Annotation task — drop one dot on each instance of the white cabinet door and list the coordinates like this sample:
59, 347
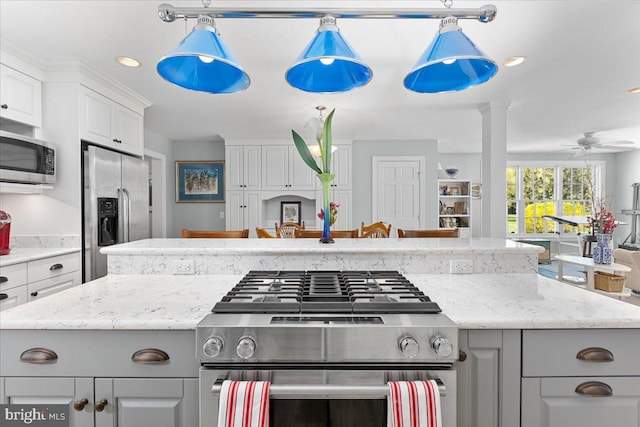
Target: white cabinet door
275, 167
96, 120
20, 97
301, 176
128, 130
107, 123
341, 165
252, 211
343, 220
234, 167
234, 210
251, 166
43, 288
13, 297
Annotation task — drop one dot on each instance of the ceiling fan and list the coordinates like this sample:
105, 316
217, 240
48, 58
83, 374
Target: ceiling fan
589, 142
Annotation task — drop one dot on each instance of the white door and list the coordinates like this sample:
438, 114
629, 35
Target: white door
396, 198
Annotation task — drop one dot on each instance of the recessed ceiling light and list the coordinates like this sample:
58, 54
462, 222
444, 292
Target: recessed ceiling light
513, 61
634, 90
128, 62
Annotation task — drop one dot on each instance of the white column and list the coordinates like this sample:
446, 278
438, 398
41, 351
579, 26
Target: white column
494, 166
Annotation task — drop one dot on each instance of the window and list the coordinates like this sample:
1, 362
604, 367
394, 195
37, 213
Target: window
537, 189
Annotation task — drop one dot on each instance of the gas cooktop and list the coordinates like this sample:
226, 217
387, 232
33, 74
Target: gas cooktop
324, 291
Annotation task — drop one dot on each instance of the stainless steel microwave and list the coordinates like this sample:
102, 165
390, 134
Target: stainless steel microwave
26, 160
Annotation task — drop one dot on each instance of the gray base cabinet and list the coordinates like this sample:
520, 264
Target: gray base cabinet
553, 402
581, 378
489, 378
108, 378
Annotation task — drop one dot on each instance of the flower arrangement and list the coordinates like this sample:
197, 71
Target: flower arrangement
602, 220
333, 213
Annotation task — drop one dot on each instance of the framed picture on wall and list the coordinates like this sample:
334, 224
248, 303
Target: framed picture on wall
199, 181
290, 212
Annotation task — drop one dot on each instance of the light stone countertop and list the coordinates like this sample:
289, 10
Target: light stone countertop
474, 301
187, 247
18, 255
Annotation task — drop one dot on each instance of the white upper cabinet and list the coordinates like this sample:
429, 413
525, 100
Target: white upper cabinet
243, 167
107, 123
284, 169
20, 97
341, 165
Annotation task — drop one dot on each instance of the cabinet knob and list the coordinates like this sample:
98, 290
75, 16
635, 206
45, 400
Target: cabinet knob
34, 293
99, 406
5, 106
79, 405
462, 356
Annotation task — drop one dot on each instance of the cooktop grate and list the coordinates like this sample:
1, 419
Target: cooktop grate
325, 291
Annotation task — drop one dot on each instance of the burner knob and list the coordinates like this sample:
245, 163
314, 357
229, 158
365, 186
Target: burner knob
213, 346
246, 347
441, 346
409, 347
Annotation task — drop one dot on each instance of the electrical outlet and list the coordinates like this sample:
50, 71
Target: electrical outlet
222, 214
460, 266
183, 266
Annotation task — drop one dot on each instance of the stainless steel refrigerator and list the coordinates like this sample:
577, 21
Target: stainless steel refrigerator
115, 204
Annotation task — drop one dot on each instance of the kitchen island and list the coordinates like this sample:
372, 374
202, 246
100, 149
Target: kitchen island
126, 342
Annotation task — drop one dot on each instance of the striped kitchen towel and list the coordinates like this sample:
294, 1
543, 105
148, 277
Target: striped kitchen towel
244, 404
414, 404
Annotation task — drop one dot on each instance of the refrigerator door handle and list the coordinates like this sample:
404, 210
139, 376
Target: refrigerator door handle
128, 211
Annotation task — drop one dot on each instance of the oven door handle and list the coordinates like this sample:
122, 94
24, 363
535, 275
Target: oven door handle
289, 391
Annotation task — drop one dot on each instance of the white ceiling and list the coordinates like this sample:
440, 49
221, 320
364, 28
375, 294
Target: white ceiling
583, 57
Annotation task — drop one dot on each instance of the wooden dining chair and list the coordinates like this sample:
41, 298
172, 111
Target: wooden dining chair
263, 234
336, 234
287, 230
375, 230
442, 232
218, 234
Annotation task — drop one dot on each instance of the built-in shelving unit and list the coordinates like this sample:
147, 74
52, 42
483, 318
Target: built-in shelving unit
454, 205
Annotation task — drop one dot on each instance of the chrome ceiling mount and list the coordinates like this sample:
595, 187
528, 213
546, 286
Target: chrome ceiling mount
169, 13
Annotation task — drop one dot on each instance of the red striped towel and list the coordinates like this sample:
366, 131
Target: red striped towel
414, 404
244, 404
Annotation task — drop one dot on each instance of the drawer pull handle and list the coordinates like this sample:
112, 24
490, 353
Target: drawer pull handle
5, 106
39, 355
55, 267
4, 279
595, 354
150, 356
462, 356
3, 296
34, 293
594, 389
99, 406
79, 405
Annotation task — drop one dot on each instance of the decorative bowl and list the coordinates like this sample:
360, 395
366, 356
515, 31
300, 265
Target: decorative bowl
452, 172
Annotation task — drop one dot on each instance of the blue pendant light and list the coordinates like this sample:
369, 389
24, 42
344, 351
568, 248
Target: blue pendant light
203, 62
328, 64
451, 62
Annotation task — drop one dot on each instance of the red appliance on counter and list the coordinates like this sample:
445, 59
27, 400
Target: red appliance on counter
5, 231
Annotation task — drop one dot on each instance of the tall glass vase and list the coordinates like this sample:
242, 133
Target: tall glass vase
602, 253
326, 179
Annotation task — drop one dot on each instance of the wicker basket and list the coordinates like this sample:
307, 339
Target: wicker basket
608, 282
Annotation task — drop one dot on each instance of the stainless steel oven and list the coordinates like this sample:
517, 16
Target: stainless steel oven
329, 343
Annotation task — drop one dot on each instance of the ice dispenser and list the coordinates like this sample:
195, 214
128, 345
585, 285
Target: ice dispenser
107, 221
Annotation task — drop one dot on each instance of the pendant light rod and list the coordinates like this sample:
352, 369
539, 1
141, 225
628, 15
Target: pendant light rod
169, 13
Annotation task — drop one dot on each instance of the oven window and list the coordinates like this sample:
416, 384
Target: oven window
328, 413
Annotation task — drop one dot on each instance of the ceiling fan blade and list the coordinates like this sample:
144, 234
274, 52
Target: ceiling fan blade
614, 147
601, 144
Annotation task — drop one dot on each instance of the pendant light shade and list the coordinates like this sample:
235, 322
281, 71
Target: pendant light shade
203, 62
328, 64
451, 62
